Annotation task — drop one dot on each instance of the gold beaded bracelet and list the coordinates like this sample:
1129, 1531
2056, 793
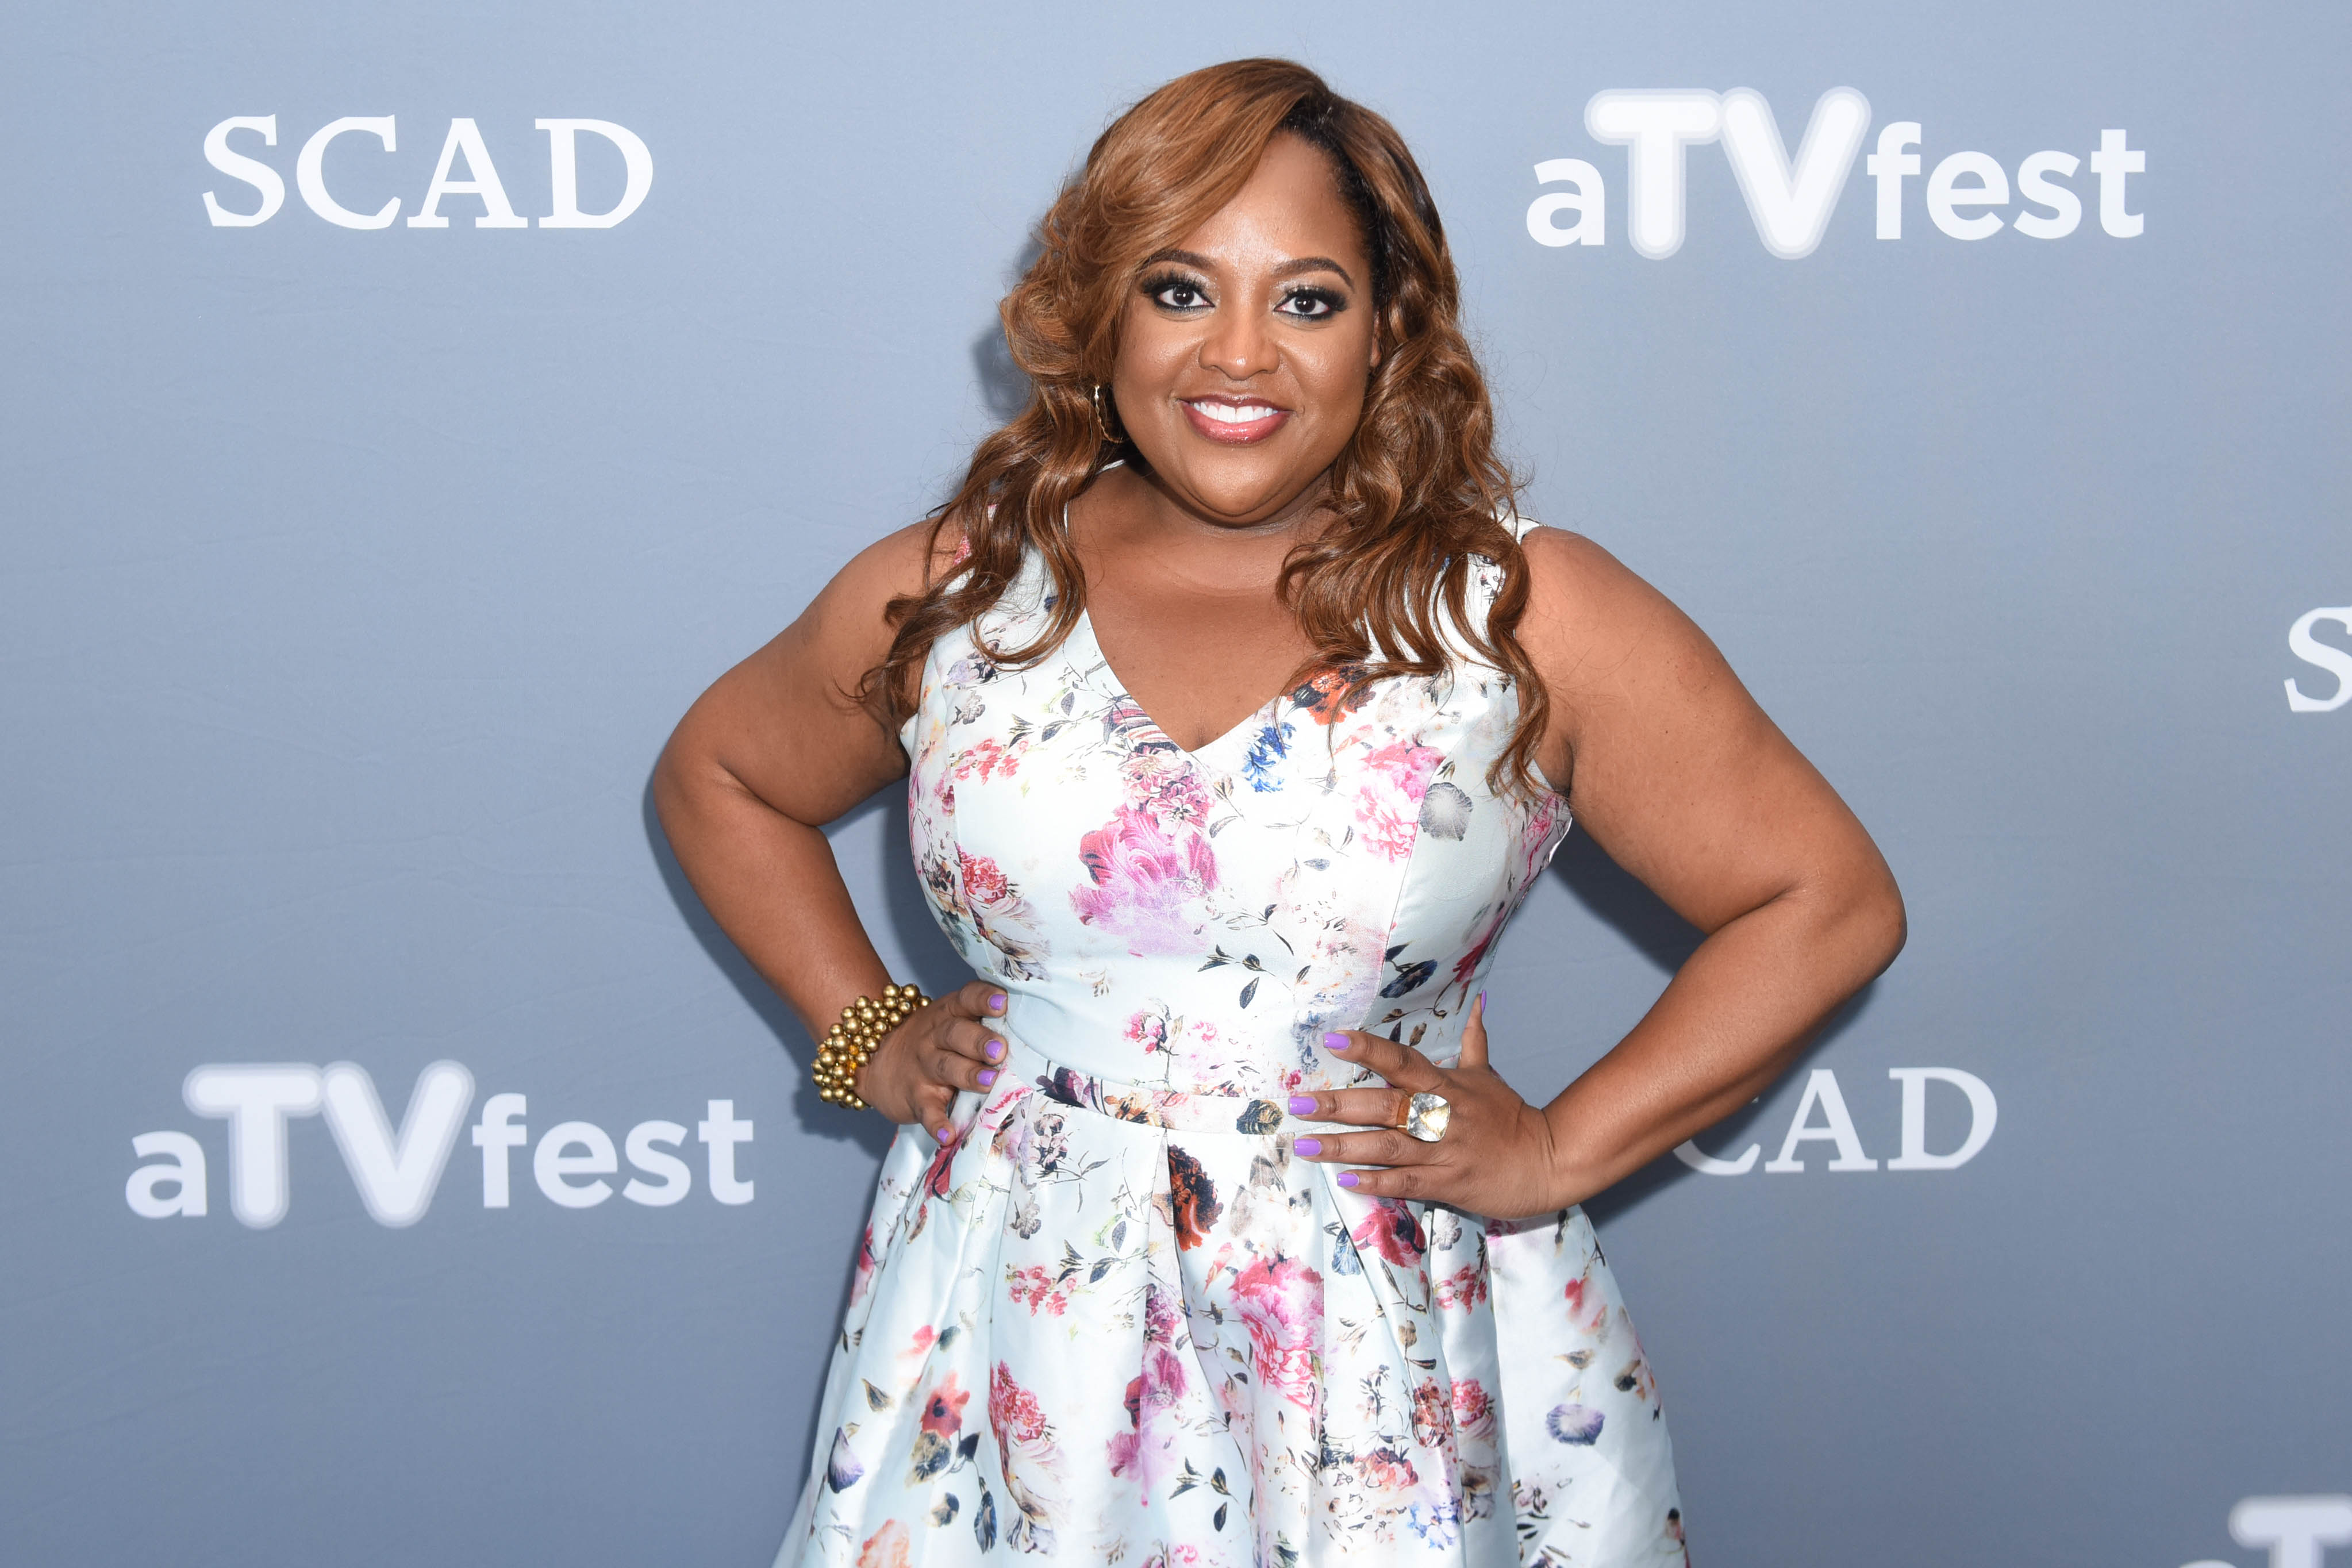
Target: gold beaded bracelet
850, 1044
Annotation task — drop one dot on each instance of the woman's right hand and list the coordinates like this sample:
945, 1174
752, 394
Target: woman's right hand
946, 1046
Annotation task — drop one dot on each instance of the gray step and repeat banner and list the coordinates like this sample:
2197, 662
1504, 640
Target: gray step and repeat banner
407, 411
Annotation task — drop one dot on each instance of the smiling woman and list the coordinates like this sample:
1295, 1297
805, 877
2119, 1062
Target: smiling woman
1239, 709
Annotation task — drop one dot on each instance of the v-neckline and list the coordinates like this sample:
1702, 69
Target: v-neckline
1247, 721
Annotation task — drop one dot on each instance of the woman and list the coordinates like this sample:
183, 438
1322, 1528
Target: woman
1209, 1235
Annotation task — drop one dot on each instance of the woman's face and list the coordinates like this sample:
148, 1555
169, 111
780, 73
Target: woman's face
1246, 349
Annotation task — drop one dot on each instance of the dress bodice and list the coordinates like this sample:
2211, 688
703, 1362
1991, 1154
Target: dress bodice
1198, 919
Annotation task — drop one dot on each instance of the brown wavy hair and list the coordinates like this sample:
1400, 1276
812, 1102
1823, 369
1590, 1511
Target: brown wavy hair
1415, 494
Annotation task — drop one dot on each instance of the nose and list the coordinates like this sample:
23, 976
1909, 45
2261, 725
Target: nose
1239, 344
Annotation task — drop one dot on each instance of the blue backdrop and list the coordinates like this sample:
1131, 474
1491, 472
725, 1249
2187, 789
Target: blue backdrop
353, 578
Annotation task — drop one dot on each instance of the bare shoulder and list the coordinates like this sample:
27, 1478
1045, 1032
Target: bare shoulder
852, 610
1592, 623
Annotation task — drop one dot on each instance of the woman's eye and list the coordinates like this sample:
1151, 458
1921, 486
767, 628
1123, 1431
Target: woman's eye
1179, 296
1311, 304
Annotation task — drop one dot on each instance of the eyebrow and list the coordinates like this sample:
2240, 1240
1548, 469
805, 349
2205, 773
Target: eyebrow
1287, 269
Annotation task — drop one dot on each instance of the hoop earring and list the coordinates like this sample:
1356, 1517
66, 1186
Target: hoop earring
1102, 421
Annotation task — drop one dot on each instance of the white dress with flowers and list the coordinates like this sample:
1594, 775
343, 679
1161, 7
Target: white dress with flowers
1114, 1319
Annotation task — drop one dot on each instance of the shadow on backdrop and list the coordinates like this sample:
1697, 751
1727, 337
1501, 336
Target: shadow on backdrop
1612, 895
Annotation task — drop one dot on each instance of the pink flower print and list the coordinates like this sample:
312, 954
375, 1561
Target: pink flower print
1147, 1448
983, 883
1165, 787
1464, 1289
1148, 1027
1388, 803
943, 1410
1473, 1408
1391, 1230
998, 913
1385, 1469
1035, 1288
1014, 1414
1141, 880
886, 1548
868, 1259
1280, 1301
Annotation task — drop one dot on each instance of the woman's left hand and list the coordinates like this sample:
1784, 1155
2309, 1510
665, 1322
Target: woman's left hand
1497, 1158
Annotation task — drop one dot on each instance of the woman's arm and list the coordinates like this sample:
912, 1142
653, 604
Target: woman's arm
778, 747
1676, 772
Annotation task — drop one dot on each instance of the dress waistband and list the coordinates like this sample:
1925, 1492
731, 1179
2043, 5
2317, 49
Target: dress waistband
1155, 1104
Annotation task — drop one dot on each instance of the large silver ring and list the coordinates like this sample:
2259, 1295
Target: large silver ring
1425, 1116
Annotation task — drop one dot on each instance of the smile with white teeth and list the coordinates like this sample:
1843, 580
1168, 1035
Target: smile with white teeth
1233, 414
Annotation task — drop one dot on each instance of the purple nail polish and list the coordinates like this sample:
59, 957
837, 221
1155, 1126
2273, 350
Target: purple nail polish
944, 1133
1301, 1104
987, 1076
1346, 1178
1335, 1041
996, 1002
996, 1050
1481, 1006
1309, 1147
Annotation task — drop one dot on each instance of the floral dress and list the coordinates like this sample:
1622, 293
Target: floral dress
1113, 1319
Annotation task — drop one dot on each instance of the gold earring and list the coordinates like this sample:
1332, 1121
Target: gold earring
1102, 421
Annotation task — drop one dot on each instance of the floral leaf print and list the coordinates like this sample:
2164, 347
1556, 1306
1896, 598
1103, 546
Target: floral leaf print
983, 1521
1410, 977
1576, 1424
944, 1510
843, 1471
1445, 811
1249, 993
1192, 1197
1272, 744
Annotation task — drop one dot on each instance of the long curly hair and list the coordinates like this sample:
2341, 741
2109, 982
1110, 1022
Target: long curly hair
1417, 492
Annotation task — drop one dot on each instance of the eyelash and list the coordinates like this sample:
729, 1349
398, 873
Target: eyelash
1331, 303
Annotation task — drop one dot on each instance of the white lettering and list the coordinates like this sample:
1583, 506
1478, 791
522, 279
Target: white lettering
676, 1179
1791, 209
1699, 1159
256, 1100
563, 172
722, 1132
1888, 165
1945, 196
2311, 650
396, 1180
1821, 1090
1587, 201
2035, 185
1983, 1113
1655, 127
497, 212
2297, 1530
494, 1135
252, 171
2111, 163
310, 175
549, 1164
187, 1170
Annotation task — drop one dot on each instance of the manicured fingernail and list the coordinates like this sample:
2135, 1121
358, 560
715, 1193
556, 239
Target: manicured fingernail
1346, 1178
1301, 1104
987, 1076
1309, 1147
1335, 1041
1481, 1006
996, 1002
996, 1050
944, 1133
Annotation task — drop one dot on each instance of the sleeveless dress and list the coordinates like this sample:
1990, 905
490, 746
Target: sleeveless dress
1113, 1320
